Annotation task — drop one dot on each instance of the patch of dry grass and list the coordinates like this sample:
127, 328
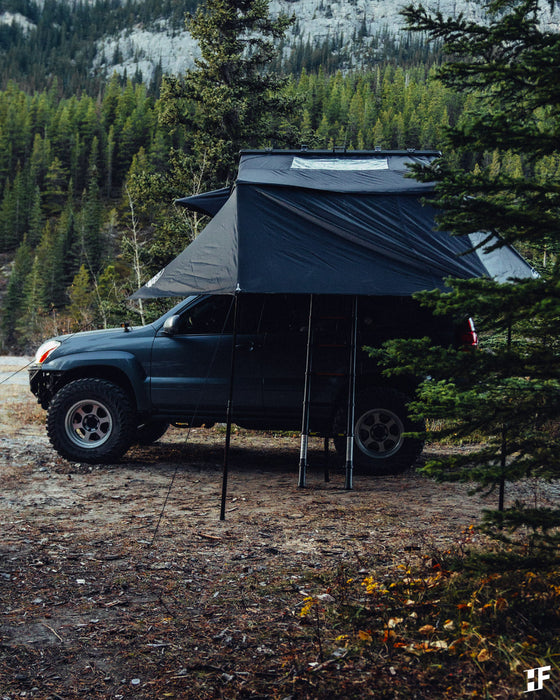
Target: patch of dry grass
17, 412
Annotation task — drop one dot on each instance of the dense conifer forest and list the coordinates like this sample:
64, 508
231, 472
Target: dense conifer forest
61, 41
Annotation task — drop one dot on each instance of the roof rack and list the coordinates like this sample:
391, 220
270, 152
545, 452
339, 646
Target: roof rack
304, 150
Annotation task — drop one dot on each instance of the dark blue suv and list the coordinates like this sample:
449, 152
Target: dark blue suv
106, 390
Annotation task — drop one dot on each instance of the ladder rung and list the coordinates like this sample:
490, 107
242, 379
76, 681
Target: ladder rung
331, 345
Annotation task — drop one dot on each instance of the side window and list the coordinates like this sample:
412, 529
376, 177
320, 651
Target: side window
211, 316
214, 315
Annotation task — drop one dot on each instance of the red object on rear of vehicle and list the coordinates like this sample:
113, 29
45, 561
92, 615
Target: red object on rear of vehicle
469, 337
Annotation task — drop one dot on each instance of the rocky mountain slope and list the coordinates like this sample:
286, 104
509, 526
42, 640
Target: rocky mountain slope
146, 46
356, 22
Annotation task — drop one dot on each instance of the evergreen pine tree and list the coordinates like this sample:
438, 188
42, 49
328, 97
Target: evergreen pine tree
93, 244
110, 300
12, 302
55, 192
35, 224
81, 298
230, 100
40, 159
48, 291
7, 207
30, 323
510, 391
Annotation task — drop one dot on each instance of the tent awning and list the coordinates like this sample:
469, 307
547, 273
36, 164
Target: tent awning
208, 203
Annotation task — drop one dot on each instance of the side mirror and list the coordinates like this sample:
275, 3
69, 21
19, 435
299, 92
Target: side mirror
171, 325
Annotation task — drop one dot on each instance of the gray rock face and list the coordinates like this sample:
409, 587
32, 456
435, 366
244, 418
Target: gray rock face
357, 22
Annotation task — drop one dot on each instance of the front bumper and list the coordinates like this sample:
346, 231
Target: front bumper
43, 384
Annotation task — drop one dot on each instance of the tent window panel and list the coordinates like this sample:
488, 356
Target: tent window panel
348, 164
285, 313
384, 317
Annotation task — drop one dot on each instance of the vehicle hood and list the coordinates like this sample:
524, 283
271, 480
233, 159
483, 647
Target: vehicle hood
93, 341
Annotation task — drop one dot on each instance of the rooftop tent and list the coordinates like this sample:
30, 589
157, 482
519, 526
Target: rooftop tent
324, 222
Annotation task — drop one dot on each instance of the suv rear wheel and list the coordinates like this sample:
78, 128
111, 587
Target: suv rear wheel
381, 419
92, 421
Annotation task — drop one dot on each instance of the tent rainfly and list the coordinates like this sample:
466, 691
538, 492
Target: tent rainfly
324, 222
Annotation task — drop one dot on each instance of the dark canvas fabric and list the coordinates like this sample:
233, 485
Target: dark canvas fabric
319, 228
370, 172
208, 202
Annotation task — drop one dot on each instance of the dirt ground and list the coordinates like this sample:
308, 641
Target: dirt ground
121, 581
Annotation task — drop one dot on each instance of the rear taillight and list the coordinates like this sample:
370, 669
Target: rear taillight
468, 336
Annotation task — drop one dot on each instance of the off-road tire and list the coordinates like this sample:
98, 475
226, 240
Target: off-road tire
150, 432
92, 421
380, 419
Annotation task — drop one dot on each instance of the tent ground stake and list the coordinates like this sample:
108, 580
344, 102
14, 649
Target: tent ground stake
229, 410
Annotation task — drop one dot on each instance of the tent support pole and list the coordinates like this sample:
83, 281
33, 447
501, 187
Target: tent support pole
229, 407
502, 484
302, 481
326, 451
348, 484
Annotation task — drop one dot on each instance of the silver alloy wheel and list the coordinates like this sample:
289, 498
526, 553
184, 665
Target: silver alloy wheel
88, 424
379, 433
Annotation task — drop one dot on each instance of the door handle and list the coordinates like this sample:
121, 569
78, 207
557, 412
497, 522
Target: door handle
249, 347
245, 346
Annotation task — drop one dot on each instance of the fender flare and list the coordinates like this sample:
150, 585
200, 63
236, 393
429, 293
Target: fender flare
123, 367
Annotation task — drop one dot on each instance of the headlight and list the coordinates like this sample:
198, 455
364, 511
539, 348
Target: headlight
45, 350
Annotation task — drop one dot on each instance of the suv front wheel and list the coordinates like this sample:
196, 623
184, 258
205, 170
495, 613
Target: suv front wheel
381, 419
92, 421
